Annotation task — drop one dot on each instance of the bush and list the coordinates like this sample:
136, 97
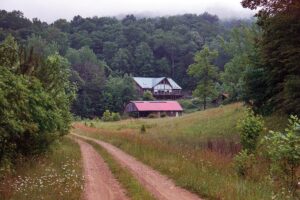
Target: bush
197, 102
115, 116
251, 127
189, 104
92, 125
243, 162
283, 149
147, 96
106, 117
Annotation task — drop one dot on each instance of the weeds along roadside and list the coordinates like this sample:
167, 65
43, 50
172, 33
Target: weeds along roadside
206, 178
54, 175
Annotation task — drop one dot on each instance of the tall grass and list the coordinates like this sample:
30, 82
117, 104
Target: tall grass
205, 173
56, 175
195, 150
213, 129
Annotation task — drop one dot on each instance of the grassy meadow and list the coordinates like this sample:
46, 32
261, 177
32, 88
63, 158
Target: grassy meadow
194, 130
195, 150
56, 175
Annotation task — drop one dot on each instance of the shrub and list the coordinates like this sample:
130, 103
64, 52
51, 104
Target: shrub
143, 129
250, 127
197, 102
190, 104
92, 125
106, 117
243, 162
110, 116
77, 118
283, 149
147, 96
187, 104
115, 116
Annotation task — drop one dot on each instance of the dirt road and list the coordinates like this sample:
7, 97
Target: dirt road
160, 186
99, 181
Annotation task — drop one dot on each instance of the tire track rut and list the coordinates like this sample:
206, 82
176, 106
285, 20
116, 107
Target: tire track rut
99, 181
159, 185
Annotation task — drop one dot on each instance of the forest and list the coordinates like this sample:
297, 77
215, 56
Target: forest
104, 50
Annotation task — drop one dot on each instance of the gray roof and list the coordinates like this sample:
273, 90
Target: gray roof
174, 84
148, 82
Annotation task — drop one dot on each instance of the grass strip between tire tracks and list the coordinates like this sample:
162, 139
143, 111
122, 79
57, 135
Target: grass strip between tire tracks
134, 189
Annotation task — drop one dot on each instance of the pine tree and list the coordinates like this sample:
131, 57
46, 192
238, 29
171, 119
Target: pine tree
206, 73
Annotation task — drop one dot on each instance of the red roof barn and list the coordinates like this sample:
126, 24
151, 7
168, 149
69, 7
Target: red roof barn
144, 108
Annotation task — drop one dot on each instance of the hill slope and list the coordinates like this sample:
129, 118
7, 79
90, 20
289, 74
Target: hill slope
195, 150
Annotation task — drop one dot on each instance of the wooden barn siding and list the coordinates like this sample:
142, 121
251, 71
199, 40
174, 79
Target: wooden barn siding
131, 108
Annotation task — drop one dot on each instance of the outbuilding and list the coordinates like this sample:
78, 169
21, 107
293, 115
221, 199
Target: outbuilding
159, 108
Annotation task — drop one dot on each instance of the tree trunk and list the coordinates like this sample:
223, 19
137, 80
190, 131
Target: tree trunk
173, 63
204, 103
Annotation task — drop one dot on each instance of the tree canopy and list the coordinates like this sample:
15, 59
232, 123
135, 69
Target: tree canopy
100, 47
206, 74
35, 100
278, 70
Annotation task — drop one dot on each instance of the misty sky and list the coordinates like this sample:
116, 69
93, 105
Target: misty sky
50, 10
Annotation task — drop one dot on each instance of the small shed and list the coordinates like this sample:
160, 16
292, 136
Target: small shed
145, 108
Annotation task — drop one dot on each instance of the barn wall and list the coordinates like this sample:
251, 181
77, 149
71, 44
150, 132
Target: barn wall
130, 108
159, 113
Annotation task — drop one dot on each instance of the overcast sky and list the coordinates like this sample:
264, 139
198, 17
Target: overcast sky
50, 10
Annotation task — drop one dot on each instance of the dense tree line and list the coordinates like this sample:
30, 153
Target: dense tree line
254, 63
273, 83
263, 67
142, 47
103, 47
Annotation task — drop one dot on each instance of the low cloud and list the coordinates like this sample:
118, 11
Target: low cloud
51, 10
